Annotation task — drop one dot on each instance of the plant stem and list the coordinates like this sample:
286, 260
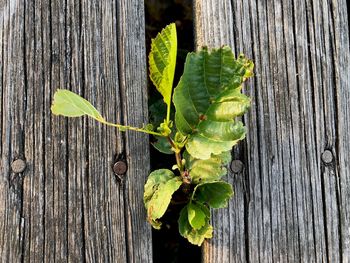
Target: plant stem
178, 162
177, 153
171, 142
183, 173
119, 126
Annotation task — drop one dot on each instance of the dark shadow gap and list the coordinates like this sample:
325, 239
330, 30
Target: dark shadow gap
168, 245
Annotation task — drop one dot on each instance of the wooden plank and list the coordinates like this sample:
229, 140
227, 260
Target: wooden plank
68, 205
296, 204
12, 129
342, 96
133, 78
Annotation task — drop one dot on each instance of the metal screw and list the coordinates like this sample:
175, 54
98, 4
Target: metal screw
18, 166
327, 157
237, 166
120, 168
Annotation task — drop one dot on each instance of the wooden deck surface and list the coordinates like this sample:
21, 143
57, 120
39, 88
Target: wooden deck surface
61, 202
292, 201
67, 205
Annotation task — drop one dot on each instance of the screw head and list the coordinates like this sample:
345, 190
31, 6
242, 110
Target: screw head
327, 157
18, 166
237, 166
120, 168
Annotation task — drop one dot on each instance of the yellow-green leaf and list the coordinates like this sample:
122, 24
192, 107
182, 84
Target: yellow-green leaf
197, 215
194, 236
162, 62
159, 188
69, 104
209, 170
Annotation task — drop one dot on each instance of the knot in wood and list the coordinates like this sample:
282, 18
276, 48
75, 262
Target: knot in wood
120, 168
237, 166
18, 166
327, 157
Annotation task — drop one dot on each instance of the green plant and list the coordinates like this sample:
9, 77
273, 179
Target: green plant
201, 133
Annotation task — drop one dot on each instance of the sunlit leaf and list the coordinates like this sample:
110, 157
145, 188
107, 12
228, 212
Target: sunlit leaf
208, 98
162, 61
69, 104
202, 145
159, 188
197, 215
194, 236
208, 170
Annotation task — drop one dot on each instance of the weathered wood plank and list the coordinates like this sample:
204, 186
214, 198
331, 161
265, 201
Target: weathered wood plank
342, 96
103, 210
297, 200
68, 205
12, 129
134, 94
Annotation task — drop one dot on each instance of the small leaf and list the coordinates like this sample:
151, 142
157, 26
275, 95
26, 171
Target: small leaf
215, 194
196, 216
69, 104
148, 127
180, 140
159, 188
194, 236
165, 128
162, 61
208, 170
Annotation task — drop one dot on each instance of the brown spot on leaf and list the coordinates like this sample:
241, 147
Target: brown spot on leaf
202, 117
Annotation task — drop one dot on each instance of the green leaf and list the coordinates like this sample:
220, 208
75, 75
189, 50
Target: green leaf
203, 145
197, 215
148, 127
194, 236
180, 140
212, 169
69, 104
162, 144
159, 188
162, 62
208, 98
215, 194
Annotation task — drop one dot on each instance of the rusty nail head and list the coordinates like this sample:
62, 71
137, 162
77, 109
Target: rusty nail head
237, 166
18, 166
120, 168
327, 157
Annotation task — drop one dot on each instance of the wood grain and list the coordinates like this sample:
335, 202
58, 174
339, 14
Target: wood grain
295, 207
68, 206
